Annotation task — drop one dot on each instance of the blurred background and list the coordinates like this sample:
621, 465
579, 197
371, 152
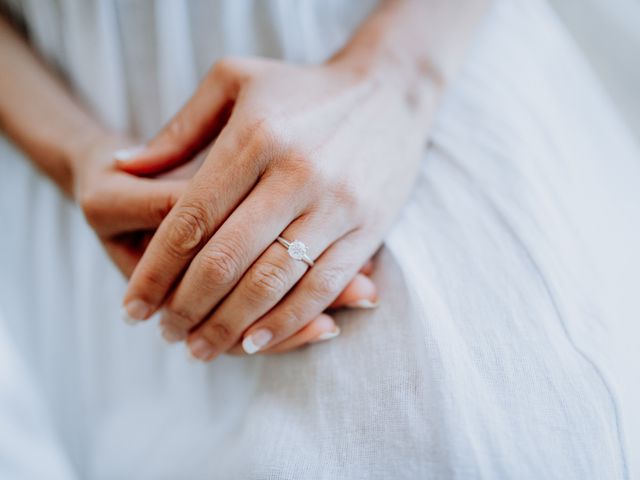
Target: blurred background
609, 33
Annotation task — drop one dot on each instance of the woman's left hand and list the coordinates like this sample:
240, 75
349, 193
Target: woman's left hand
324, 154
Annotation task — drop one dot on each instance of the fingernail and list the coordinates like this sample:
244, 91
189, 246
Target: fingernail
190, 357
126, 154
136, 310
327, 335
258, 339
201, 349
126, 318
172, 335
363, 303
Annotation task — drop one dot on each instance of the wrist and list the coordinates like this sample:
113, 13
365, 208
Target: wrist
417, 89
373, 57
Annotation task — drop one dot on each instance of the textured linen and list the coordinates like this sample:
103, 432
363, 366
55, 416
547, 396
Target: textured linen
505, 345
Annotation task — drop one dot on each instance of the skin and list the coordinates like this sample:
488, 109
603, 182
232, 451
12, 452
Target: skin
326, 154
73, 149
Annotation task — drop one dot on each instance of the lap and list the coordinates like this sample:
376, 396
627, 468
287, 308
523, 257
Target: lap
497, 346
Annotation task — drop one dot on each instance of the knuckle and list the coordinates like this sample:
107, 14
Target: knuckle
92, 206
299, 170
178, 318
287, 323
263, 135
158, 210
236, 69
268, 281
151, 283
169, 202
220, 265
346, 193
226, 67
218, 333
306, 170
188, 231
261, 139
347, 197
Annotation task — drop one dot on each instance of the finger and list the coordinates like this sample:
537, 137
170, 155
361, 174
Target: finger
126, 249
123, 257
360, 293
367, 268
261, 288
216, 269
312, 295
215, 191
360, 288
130, 204
320, 329
194, 127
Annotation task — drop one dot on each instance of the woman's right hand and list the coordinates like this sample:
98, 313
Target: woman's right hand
124, 210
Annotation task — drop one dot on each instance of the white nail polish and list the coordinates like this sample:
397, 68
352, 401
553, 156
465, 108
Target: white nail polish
126, 318
190, 357
137, 310
171, 335
364, 303
127, 154
327, 336
254, 342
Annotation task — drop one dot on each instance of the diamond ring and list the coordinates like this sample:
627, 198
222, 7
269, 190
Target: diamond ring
297, 250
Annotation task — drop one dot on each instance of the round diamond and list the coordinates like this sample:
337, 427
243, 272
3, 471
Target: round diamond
297, 250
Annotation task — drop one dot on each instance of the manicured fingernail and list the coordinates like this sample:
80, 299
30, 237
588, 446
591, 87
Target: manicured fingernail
136, 310
327, 336
127, 154
363, 303
201, 349
190, 357
171, 334
258, 339
126, 318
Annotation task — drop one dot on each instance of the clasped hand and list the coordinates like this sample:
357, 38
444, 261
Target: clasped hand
325, 154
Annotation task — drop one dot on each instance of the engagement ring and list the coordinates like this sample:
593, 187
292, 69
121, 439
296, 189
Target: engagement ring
297, 250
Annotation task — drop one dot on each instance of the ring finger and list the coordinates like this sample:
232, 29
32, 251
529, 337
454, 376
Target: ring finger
262, 287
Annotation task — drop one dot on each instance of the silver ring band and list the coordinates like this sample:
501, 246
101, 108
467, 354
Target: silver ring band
297, 250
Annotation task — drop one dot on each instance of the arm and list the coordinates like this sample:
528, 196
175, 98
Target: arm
39, 114
60, 137
419, 44
325, 154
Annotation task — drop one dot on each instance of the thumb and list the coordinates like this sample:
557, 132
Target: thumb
193, 128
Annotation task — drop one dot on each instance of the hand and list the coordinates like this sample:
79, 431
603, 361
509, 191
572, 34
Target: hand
124, 210
323, 154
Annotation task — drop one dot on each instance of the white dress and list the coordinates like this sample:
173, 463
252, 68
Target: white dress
505, 345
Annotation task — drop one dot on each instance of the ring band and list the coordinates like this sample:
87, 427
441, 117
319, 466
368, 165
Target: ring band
297, 250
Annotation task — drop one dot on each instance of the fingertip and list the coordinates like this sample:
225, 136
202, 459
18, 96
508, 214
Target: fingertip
367, 268
147, 160
360, 290
325, 328
327, 335
323, 323
137, 310
321, 328
129, 155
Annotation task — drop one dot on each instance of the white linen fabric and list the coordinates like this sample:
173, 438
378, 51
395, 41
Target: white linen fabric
505, 344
